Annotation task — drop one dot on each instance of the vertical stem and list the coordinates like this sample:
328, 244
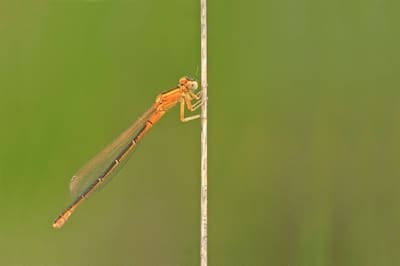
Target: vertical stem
203, 222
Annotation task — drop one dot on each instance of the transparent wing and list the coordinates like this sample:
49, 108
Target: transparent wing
100, 164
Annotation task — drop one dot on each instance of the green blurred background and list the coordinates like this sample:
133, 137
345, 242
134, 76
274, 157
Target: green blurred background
304, 132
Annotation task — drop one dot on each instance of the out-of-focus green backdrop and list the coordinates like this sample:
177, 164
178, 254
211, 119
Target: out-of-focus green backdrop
304, 132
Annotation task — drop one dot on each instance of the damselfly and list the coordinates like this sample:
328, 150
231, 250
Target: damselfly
98, 170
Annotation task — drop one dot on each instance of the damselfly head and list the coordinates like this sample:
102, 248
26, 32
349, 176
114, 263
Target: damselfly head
189, 83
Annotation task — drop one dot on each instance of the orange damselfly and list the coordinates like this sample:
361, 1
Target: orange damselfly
98, 170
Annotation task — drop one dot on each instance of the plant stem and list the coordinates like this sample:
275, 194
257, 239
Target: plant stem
203, 222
